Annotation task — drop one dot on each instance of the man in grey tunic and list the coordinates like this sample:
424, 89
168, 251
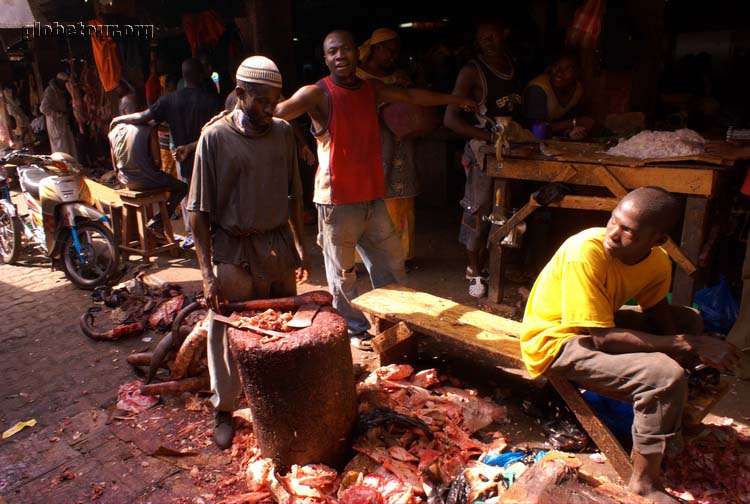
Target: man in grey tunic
244, 195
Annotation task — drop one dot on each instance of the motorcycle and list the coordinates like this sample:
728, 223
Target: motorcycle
61, 221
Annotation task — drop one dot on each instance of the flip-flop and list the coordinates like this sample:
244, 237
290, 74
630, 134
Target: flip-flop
361, 341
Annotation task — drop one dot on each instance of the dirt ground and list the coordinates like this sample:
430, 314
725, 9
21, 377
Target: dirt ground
82, 451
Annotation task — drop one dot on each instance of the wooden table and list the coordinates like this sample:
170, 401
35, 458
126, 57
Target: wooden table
695, 177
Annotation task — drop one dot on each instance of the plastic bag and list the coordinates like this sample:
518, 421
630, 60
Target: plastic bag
718, 307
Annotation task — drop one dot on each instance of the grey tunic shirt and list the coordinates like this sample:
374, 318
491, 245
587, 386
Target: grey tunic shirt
245, 183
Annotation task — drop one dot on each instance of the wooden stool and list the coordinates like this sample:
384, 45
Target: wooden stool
137, 208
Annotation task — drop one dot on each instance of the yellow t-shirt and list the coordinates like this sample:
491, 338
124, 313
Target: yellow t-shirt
582, 286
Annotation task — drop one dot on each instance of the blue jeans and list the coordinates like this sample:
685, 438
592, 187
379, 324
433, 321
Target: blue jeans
368, 228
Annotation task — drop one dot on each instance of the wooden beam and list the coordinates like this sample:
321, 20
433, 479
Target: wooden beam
693, 233
683, 180
587, 203
679, 257
599, 432
611, 182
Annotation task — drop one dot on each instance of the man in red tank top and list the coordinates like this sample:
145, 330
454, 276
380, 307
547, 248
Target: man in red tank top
349, 183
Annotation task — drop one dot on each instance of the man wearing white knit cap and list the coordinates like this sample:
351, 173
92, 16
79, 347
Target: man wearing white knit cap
244, 195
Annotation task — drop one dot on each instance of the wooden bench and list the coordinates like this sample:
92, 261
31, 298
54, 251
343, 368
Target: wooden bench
482, 336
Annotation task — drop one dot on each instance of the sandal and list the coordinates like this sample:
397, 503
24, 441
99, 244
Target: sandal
361, 341
477, 286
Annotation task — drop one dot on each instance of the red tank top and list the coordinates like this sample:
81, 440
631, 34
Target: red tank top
351, 169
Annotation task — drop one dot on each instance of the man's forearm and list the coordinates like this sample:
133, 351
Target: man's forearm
135, 118
200, 223
617, 340
296, 222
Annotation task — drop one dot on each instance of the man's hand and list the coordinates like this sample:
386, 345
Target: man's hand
212, 292
467, 104
303, 273
117, 120
181, 153
714, 352
578, 133
307, 155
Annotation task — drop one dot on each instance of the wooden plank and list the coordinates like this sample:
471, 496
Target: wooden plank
683, 180
446, 321
599, 432
693, 233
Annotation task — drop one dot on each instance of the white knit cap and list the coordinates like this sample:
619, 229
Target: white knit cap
259, 70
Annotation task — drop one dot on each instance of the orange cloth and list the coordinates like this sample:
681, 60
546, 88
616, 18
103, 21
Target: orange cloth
153, 88
106, 57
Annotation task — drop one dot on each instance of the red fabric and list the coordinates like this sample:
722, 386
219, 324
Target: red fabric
355, 161
107, 59
202, 29
745, 189
587, 25
153, 89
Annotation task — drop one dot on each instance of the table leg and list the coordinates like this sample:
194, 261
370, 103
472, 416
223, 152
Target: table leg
501, 194
693, 234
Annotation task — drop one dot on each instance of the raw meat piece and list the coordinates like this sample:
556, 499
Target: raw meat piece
395, 372
129, 397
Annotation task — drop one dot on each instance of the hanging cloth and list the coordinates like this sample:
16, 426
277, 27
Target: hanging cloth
106, 57
584, 32
202, 29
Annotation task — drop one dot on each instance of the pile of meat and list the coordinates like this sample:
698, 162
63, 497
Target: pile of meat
269, 319
419, 439
715, 467
660, 144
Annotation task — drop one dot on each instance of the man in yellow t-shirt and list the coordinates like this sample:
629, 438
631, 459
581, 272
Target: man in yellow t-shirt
575, 326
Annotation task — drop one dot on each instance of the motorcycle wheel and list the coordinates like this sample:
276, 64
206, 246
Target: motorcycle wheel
10, 237
100, 253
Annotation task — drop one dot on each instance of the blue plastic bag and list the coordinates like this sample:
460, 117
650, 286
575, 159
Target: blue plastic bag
616, 415
718, 307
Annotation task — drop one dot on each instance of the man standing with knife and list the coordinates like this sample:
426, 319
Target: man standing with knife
245, 193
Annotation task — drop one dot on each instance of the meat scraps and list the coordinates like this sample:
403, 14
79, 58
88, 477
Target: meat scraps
660, 144
269, 319
397, 463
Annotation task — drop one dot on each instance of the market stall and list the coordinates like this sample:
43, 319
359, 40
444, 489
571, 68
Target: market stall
696, 177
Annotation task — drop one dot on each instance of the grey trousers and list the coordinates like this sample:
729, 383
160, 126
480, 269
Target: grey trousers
236, 285
653, 382
368, 228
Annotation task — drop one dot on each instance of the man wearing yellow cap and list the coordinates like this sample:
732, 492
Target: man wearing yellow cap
244, 194
377, 61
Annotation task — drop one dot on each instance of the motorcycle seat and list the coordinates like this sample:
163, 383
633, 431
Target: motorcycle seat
30, 177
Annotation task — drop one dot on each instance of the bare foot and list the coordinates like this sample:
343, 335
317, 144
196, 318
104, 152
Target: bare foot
654, 494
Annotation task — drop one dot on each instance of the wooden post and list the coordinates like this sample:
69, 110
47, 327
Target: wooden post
497, 269
693, 231
599, 432
271, 31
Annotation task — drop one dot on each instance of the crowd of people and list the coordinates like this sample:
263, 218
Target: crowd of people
239, 182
